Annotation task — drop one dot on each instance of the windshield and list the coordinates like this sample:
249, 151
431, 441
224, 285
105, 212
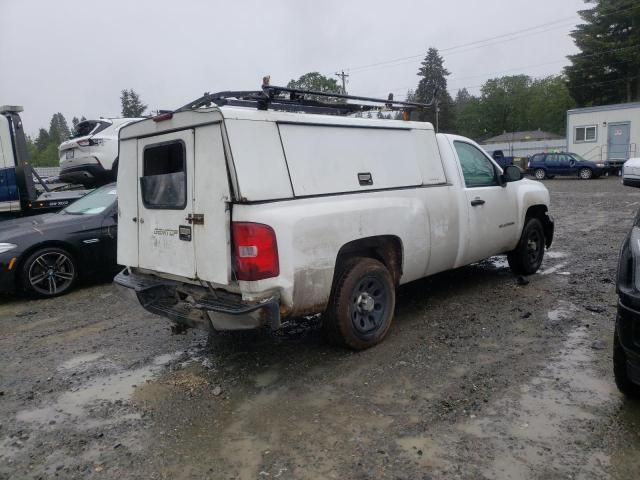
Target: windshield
578, 157
93, 203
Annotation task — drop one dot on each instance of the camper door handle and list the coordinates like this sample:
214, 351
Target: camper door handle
134, 219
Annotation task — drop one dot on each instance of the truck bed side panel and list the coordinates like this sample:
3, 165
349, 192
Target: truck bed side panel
313, 231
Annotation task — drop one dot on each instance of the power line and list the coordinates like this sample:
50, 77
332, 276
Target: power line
448, 49
484, 42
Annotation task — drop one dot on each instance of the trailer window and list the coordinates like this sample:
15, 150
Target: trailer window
164, 181
585, 134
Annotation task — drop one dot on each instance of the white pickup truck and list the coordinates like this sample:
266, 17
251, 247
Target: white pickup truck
233, 217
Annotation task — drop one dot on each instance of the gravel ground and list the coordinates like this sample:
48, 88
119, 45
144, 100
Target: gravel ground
480, 377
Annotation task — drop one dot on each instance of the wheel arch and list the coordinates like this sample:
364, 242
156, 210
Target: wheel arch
387, 249
541, 213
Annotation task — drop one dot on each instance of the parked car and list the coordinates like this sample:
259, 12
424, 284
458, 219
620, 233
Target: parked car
631, 172
548, 165
626, 339
311, 213
90, 156
44, 255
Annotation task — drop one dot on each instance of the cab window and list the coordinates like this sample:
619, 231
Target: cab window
477, 169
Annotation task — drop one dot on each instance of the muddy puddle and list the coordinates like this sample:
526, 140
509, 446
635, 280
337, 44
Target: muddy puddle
74, 406
533, 430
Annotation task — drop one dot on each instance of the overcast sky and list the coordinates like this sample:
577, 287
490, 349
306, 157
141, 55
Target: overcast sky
75, 57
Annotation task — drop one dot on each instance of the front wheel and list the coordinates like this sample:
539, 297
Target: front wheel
49, 272
362, 303
540, 174
585, 173
527, 257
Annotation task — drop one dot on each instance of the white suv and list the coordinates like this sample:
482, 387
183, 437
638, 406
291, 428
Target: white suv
90, 156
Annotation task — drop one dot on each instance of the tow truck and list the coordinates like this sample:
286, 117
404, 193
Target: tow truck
22, 190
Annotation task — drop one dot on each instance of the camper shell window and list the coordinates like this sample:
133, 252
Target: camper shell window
164, 181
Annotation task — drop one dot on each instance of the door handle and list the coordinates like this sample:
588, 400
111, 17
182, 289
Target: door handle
476, 202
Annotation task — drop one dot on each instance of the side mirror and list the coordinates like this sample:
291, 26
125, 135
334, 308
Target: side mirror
512, 174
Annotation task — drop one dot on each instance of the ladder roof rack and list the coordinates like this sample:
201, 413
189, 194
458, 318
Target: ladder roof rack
298, 100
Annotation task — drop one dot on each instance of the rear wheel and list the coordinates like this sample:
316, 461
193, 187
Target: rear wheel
527, 257
585, 173
539, 173
362, 303
624, 384
49, 272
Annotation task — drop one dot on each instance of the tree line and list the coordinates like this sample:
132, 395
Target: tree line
43, 148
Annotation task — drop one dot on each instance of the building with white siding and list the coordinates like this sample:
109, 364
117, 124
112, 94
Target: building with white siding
610, 133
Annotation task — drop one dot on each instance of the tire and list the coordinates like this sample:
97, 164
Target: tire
527, 257
361, 306
624, 384
48, 272
585, 173
539, 173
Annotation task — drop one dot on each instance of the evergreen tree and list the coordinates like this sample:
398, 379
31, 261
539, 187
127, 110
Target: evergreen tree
433, 75
58, 129
132, 106
75, 122
83, 119
607, 69
42, 140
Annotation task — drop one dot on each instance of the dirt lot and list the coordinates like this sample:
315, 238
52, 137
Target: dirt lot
479, 378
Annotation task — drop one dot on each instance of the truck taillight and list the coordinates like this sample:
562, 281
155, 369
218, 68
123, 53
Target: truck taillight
255, 251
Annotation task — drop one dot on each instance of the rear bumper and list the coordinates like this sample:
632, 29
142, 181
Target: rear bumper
84, 173
198, 307
628, 327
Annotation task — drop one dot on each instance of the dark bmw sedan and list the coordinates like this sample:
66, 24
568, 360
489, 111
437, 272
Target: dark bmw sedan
47, 254
626, 340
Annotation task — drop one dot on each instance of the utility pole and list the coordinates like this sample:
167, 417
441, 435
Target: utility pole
343, 76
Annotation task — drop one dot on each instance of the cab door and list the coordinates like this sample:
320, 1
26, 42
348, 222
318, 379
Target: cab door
492, 209
165, 203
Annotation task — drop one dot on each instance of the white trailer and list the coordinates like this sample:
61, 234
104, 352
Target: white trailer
607, 134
